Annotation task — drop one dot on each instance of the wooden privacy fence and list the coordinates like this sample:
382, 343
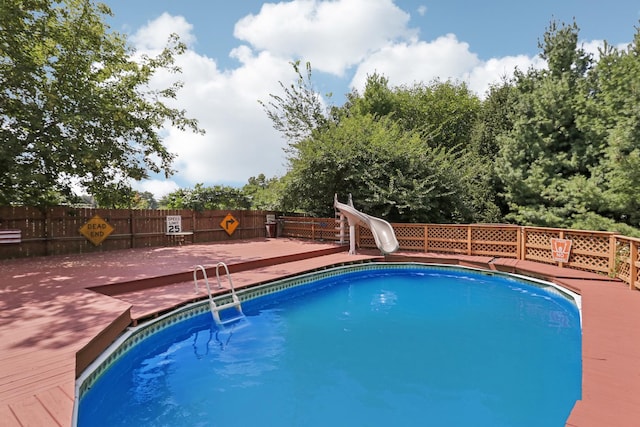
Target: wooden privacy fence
27, 231
595, 251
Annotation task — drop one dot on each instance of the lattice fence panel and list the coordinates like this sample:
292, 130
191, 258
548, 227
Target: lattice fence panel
636, 280
589, 251
538, 245
327, 229
366, 238
447, 239
495, 242
410, 237
447, 247
623, 260
444, 232
297, 227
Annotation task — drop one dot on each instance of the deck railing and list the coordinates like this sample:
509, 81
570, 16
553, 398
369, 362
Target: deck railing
595, 251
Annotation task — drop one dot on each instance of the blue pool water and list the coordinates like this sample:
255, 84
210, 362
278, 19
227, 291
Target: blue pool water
389, 347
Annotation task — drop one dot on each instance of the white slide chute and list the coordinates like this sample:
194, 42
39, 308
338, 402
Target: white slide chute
382, 231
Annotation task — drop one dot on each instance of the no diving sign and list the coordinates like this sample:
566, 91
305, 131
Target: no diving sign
560, 249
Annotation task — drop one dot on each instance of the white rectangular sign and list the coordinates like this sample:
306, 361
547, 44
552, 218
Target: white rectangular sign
174, 224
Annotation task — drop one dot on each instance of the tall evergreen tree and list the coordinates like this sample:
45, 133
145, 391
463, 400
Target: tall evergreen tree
545, 159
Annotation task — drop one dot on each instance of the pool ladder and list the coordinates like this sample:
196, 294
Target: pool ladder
215, 308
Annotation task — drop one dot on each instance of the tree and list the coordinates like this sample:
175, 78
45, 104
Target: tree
444, 113
614, 116
391, 173
571, 157
264, 194
546, 157
301, 111
76, 108
206, 198
401, 152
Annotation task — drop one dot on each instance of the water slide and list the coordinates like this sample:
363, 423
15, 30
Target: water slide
382, 231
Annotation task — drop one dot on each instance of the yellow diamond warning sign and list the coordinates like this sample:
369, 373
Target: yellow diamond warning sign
96, 230
229, 224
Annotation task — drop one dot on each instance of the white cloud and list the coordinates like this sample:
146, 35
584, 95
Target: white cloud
332, 35
445, 58
159, 188
482, 76
155, 34
349, 38
408, 63
422, 10
239, 140
594, 46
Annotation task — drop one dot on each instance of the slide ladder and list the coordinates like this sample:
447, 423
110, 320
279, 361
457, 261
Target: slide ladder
215, 308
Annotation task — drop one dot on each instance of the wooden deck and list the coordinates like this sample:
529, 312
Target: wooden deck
58, 313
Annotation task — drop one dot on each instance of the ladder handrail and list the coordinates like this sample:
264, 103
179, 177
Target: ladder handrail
204, 275
215, 309
222, 264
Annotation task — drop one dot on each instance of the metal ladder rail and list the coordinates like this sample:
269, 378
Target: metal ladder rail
235, 301
215, 309
212, 303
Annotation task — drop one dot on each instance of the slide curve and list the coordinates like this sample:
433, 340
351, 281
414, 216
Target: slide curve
382, 231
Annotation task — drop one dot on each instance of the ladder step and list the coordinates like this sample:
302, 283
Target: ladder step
227, 305
231, 320
216, 309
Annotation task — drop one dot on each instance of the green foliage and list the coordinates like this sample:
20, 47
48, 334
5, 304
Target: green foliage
391, 173
144, 200
404, 153
555, 147
264, 194
206, 198
545, 154
77, 111
300, 112
572, 154
443, 113
616, 116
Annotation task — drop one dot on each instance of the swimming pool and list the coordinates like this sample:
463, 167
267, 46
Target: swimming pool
374, 345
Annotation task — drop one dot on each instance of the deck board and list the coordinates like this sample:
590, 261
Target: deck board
49, 316
31, 413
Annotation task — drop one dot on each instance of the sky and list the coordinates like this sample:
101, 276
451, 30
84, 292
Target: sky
240, 51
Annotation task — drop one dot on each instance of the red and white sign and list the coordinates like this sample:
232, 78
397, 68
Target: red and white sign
560, 249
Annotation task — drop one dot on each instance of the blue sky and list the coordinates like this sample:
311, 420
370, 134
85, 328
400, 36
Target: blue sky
240, 50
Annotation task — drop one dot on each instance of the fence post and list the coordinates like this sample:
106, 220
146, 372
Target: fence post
47, 230
613, 249
426, 238
519, 243
469, 233
523, 244
132, 229
633, 270
193, 226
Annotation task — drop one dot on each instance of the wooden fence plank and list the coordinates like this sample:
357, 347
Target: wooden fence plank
55, 230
